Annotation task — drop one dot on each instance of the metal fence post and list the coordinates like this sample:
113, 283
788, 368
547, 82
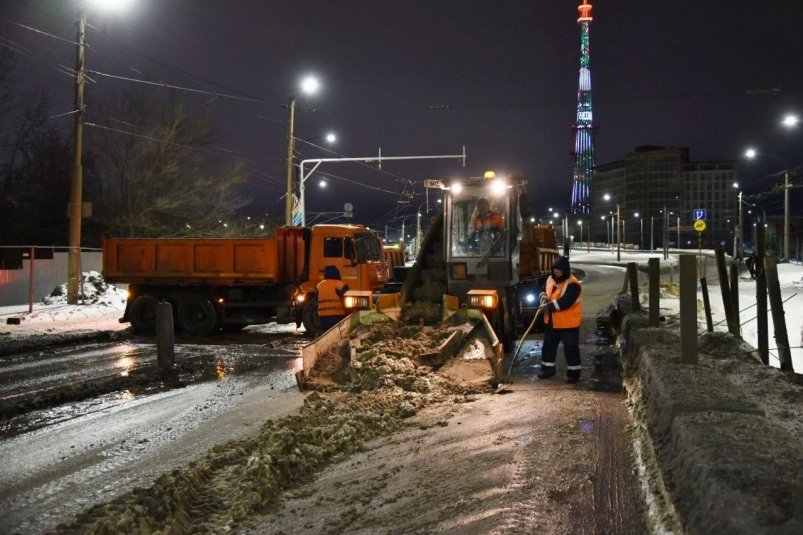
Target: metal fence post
778, 320
165, 340
722, 271
688, 309
709, 321
654, 269
632, 273
734, 286
762, 326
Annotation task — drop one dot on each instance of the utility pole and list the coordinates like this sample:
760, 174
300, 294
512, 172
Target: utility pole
666, 234
76, 185
288, 204
741, 230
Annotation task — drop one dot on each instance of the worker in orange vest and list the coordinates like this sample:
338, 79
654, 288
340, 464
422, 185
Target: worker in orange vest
562, 306
330, 293
486, 227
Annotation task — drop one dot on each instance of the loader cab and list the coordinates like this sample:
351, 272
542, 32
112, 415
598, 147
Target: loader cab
481, 230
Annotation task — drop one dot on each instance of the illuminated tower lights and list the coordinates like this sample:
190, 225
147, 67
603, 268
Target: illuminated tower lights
583, 127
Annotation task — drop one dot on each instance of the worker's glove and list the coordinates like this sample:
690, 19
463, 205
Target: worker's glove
544, 299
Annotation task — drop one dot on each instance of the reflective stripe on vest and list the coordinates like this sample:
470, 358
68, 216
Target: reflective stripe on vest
570, 318
329, 303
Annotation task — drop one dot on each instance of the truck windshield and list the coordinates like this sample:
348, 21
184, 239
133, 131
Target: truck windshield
477, 224
367, 248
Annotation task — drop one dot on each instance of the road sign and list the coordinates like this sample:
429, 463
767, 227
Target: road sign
435, 183
699, 225
699, 214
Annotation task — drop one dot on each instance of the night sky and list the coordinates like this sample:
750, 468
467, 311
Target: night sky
428, 77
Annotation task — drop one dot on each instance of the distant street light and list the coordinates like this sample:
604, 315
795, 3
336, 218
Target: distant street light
790, 120
331, 137
607, 197
309, 86
641, 223
753, 153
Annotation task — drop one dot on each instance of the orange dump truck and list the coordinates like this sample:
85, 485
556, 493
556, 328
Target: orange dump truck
230, 283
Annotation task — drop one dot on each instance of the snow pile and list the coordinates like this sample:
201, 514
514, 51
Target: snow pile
96, 291
367, 395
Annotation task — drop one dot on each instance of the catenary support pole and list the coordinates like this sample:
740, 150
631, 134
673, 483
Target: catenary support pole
688, 309
291, 137
654, 269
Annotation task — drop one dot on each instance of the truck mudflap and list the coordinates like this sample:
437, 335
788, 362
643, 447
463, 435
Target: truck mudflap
334, 337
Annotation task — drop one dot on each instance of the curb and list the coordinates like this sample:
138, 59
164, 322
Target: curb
725, 465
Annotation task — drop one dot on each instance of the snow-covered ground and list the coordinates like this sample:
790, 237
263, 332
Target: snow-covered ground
790, 277
102, 307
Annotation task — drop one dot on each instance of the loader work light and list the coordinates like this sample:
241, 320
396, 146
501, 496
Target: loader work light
484, 299
357, 300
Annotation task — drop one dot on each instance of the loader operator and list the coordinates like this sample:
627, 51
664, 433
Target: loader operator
562, 307
486, 226
330, 293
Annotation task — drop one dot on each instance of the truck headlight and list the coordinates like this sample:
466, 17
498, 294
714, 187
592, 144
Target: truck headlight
484, 299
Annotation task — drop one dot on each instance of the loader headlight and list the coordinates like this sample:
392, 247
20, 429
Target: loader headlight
300, 298
484, 299
357, 300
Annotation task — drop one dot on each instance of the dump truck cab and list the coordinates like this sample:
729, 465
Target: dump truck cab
357, 254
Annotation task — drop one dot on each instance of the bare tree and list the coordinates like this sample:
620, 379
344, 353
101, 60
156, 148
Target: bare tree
162, 179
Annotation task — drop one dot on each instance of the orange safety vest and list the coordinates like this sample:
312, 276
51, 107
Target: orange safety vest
492, 221
572, 317
329, 303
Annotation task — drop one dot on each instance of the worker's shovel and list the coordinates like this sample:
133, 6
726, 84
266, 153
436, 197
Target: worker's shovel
503, 387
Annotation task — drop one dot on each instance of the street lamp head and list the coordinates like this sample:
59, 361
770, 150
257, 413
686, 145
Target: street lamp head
607, 196
310, 85
322, 184
736, 185
635, 214
750, 153
119, 6
790, 120
331, 137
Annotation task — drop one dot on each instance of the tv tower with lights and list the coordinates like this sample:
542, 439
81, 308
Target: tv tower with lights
583, 128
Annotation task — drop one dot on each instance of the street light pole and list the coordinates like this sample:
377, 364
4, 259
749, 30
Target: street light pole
76, 185
291, 138
618, 236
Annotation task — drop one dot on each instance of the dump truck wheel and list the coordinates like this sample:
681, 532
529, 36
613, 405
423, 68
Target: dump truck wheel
143, 315
197, 315
309, 316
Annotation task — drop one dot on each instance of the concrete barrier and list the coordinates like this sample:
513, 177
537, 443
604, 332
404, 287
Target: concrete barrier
726, 466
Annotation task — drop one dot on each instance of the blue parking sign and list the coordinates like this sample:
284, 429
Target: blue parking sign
699, 214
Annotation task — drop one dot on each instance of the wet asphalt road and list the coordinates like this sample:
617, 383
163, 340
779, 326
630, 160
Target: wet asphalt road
85, 423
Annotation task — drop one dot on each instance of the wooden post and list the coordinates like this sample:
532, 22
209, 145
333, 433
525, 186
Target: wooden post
734, 286
762, 325
688, 309
722, 271
626, 282
709, 321
778, 320
654, 269
632, 273
165, 340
